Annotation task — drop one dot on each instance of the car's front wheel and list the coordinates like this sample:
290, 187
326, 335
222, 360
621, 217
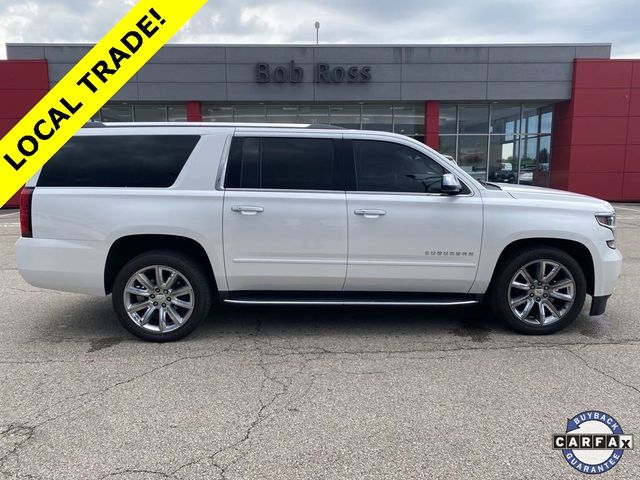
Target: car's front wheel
161, 296
539, 291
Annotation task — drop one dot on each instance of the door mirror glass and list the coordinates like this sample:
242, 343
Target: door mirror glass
450, 184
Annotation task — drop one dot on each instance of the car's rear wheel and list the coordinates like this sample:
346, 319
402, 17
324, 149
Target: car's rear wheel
539, 291
161, 296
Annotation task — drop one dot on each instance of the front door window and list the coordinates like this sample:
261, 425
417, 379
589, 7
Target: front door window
391, 167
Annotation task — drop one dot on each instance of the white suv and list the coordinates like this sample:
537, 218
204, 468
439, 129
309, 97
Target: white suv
167, 217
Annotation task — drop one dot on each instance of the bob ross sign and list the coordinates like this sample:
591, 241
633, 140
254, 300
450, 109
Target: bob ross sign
323, 73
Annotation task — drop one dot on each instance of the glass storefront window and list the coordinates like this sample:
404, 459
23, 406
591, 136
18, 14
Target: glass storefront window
546, 119
448, 119
474, 119
177, 113
448, 145
537, 118
117, 113
408, 120
503, 159
250, 113
541, 175
505, 119
211, 113
143, 113
282, 113
535, 160
346, 116
530, 119
518, 137
313, 114
472, 155
377, 117
528, 155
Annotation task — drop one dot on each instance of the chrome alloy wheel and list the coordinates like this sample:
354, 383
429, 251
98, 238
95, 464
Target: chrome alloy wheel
542, 292
159, 298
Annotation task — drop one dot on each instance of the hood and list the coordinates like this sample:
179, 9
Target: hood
528, 192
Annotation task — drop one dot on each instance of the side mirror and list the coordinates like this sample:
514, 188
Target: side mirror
450, 184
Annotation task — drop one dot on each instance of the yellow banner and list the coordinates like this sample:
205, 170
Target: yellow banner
87, 87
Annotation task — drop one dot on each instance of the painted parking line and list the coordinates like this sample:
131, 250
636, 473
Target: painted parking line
9, 214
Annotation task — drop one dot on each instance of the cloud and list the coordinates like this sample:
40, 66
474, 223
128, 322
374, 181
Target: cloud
343, 21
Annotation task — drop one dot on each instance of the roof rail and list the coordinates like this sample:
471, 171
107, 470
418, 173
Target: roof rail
324, 126
316, 126
91, 124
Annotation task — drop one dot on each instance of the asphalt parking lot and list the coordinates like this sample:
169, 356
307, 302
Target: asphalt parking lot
306, 393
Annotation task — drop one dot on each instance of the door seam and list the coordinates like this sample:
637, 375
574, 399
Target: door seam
346, 266
224, 255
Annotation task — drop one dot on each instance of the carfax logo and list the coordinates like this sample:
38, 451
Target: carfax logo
593, 443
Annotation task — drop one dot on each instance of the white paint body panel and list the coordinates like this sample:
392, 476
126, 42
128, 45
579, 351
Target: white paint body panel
520, 212
305, 240
423, 243
299, 241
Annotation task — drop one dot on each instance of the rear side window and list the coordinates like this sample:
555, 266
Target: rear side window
284, 164
391, 167
119, 161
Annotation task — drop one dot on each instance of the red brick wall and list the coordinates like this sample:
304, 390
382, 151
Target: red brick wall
596, 135
22, 84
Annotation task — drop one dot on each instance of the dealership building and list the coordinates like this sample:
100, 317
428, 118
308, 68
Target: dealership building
560, 115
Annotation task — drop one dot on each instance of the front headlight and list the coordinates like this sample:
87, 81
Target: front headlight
608, 220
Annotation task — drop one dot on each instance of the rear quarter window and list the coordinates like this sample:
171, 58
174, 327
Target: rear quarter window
119, 161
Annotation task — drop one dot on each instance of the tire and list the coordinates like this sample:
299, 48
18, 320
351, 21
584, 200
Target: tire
182, 313
566, 300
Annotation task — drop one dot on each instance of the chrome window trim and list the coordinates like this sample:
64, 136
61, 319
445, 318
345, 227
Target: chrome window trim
415, 194
222, 167
277, 190
342, 192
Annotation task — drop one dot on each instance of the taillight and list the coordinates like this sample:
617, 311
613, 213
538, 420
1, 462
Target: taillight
26, 196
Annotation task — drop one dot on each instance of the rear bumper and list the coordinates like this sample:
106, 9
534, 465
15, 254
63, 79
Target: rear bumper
70, 266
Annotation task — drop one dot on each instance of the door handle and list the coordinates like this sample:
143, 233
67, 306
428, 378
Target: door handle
247, 209
370, 213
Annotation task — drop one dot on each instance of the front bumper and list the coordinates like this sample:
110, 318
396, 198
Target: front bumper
607, 268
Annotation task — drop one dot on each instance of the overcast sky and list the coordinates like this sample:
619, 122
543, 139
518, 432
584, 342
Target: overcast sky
346, 21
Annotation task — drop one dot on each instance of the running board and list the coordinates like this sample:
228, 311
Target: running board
350, 299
